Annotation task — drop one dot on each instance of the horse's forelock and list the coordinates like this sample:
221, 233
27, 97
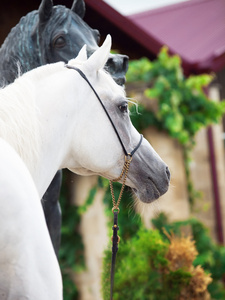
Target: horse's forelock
60, 15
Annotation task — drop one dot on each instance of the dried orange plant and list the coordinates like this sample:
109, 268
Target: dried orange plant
181, 254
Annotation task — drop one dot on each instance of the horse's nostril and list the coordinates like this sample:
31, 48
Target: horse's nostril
125, 63
110, 61
168, 173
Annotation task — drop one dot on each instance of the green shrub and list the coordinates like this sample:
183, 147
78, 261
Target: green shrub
151, 267
71, 256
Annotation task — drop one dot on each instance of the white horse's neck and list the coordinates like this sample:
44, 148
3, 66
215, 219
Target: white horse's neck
18, 120
56, 115
38, 128
29, 268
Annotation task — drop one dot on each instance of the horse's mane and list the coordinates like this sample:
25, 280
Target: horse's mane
18, 120
18, 112
40, 73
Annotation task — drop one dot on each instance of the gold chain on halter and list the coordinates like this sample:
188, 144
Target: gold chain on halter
124, 172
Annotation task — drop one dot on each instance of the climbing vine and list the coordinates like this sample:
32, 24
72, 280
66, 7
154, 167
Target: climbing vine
71, 256
183, 107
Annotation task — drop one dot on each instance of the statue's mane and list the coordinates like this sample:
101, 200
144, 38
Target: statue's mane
21, 44
16, 48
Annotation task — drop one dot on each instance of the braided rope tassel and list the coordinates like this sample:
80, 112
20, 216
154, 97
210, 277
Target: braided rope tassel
124, 172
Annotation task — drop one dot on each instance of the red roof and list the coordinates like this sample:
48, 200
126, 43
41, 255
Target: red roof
194, 29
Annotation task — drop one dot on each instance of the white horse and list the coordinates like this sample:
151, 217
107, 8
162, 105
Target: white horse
53, 107
26, 255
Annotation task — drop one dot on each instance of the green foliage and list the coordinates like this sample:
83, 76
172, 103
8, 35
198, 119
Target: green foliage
71, 251
139, 70
143, 270
183, 107
137, 260
211, 256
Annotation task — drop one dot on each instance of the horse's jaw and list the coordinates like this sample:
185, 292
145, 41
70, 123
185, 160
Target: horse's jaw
83, 171
145, 189
149, 176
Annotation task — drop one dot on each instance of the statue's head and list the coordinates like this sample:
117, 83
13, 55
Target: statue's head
61, 33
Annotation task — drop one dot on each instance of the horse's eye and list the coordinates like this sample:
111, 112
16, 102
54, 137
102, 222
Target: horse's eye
59, 42
123, 107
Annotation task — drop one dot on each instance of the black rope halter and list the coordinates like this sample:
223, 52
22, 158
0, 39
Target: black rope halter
128, 159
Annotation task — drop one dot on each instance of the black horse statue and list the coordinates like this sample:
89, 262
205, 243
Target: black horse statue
47, 35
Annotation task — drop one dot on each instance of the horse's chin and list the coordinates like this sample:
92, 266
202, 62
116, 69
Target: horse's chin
146, 196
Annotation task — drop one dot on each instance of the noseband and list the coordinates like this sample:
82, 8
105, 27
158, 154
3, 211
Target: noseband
123, 175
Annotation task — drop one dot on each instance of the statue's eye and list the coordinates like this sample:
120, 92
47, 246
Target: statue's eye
59, 42
123, 107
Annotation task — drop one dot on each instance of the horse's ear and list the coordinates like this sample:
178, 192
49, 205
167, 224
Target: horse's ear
99, 58
82, 56
78, 7
45, 10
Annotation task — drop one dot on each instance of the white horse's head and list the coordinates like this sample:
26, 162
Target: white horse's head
95, 148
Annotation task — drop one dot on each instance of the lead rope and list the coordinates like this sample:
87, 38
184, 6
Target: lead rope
115, 238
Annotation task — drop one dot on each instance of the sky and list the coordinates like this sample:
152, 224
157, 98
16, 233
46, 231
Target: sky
129, 7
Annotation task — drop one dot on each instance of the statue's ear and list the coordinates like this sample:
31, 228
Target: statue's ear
45, 10
78, 7
81, 57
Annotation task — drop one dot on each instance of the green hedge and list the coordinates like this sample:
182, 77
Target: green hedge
158, 265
